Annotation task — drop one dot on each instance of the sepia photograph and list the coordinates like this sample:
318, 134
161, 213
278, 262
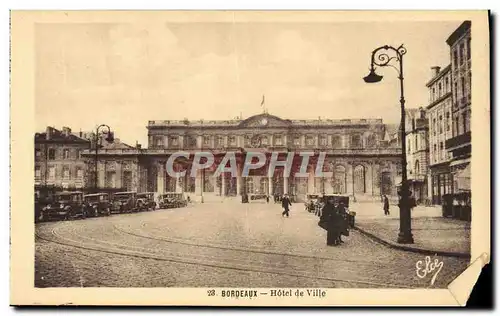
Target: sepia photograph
260, 158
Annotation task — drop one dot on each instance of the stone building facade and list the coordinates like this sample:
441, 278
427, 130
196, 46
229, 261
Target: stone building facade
361, 159
460, 144
58, 158
439, 113
417, 147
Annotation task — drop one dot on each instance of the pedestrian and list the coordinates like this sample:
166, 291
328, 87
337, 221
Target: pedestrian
267, 199
285, 203
329, 219
342, 221
386, 205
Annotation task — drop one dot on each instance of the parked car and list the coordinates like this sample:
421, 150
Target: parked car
97, 204
310, 203
124, 202
66, 205
172, 200
146, 201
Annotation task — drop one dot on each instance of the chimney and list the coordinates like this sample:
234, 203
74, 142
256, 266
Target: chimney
66, 131
48, 133
435, 70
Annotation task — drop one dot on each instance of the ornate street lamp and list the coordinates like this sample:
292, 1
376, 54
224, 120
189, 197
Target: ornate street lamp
382, 57
109, 138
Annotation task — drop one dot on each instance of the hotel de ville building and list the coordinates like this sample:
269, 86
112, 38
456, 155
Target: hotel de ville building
363, 157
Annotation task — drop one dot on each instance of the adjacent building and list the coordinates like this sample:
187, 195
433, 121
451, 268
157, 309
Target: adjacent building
459, 145
449, 113
58, 158
417, 147
439, 114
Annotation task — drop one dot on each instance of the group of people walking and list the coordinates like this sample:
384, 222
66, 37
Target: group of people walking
334, 219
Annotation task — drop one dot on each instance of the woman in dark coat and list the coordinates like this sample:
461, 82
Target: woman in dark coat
386, 205
330, 216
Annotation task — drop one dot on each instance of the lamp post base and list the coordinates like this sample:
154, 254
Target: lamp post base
405, 238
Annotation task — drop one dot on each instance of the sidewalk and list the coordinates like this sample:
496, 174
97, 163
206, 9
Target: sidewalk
432, 233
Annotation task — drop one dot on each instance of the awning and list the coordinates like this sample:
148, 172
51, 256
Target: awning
463, 179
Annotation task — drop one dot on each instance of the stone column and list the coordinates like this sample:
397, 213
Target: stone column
238, 179
349, 180
270, 185
285, 185
198, 183
178, 185
160, 184
223, 184
101, 171
369, 179
119, 174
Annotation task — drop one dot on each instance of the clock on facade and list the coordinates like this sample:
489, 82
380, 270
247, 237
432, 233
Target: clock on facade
263, 121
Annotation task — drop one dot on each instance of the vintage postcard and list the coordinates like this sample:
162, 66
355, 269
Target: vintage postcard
249, 158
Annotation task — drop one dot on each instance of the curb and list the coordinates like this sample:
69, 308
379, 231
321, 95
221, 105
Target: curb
411, 249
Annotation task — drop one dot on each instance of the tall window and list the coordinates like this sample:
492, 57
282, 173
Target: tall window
66, 172
356, 141
462, 82
309, 141
446, 84
206, 140
455, 58
278, 140
296, 140
416, 142
440, 124
265, 140
455, 92
79, 173
440, 88
434, 127
441, 150
78, 154
336, 141
434, 153
174, 141
417, 167
38, 172
158, 141
464, 122
220, 141
448, 121
232, 140
433, 96
468, 49
52, 154
409, 145
461, 54
38, 153
322, 140
52, 172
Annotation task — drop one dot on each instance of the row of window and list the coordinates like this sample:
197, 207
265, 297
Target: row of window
460, 53
438, 126
66, 153
442, 89
277, 140
66, 174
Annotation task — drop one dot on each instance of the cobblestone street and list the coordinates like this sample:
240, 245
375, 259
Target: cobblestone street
220, 245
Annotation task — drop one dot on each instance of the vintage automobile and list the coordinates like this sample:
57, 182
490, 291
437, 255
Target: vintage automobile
124, 202
97, 204
310, 203
146, 201
66, 205
172, 200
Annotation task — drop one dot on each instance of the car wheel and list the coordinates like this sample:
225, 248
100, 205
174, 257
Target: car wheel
108, 211
96, 213
84, 214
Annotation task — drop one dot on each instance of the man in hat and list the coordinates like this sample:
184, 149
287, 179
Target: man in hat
285, 204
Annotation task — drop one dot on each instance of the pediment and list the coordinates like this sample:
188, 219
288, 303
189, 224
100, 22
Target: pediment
264, 121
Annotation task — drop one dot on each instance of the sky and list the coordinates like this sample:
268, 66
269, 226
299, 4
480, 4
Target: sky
126, 74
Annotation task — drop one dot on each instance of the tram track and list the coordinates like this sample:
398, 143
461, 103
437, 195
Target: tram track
248, 264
